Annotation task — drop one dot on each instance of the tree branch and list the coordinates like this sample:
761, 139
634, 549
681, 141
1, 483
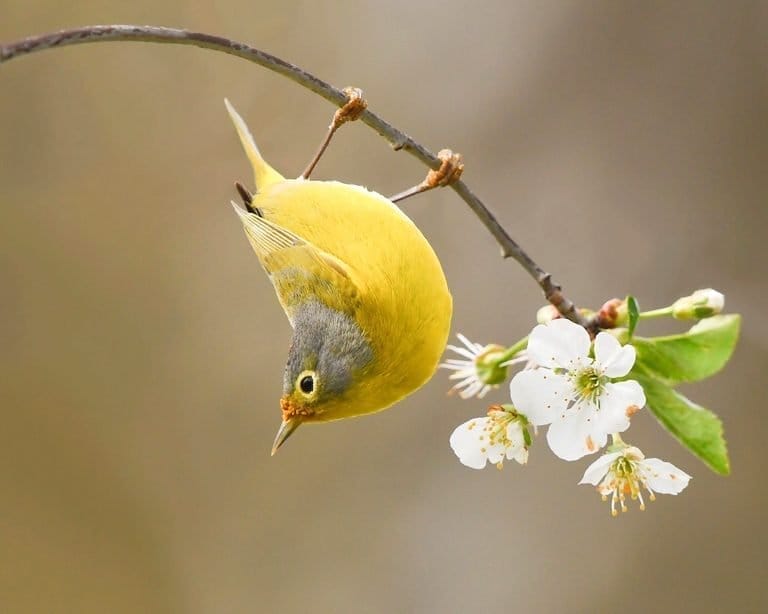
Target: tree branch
397, 139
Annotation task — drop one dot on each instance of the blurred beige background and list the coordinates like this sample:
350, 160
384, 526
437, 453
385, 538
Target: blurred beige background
141, 347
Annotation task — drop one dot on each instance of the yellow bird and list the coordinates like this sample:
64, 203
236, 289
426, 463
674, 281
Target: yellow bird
361, 286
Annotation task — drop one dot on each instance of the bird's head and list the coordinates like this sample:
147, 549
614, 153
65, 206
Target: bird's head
327, 362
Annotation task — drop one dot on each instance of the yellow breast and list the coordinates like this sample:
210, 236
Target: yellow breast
405, 306
401, 300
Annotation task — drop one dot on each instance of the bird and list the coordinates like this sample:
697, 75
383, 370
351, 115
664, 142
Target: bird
361, 286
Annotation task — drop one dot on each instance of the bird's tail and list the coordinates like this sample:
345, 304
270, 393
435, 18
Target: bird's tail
264, 174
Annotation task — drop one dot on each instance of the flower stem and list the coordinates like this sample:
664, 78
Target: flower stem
513, 350
655, 313
398, 139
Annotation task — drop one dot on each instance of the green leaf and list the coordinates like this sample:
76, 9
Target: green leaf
633, 311
697, 428
691, 356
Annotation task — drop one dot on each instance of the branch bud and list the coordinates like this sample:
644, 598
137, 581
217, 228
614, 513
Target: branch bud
613, 313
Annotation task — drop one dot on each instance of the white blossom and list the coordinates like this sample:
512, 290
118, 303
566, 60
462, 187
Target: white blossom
478, 371
625, 472
573, 392
492, 438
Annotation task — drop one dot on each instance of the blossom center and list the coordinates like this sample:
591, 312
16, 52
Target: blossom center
625, 479
497, 428
589, 384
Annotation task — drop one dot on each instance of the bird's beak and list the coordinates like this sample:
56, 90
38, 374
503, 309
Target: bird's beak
285, 431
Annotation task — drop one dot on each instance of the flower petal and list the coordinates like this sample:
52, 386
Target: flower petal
575, 436
466, 444
463, 352
617, 403
663, 477
560, 343
539, 394
515, 433
606, 347
473, 347
473, 387
456, 364
516, 450
465, 378
615, 360
597, 470
520, 455
495, 453
483, 391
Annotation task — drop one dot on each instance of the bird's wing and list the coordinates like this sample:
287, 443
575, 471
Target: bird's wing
298, 270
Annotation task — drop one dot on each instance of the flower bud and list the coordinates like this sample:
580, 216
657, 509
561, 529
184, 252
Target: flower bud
546, 314
701, 304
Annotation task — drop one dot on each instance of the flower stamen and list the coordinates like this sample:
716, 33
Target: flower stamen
626, 472
501, 434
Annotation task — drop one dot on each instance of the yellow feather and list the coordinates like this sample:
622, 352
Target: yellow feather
263, 173
298, 269
356, 253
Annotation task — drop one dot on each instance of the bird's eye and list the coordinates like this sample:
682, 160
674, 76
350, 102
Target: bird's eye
307, 383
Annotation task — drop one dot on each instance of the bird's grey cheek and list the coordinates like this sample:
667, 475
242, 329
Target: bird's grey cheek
293, 367
337, 378
336, 343
287, 379
344, 360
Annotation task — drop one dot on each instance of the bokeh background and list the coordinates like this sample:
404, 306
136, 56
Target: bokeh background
141, 347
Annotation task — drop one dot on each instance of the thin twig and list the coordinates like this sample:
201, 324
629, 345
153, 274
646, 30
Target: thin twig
351, 110
399, 140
